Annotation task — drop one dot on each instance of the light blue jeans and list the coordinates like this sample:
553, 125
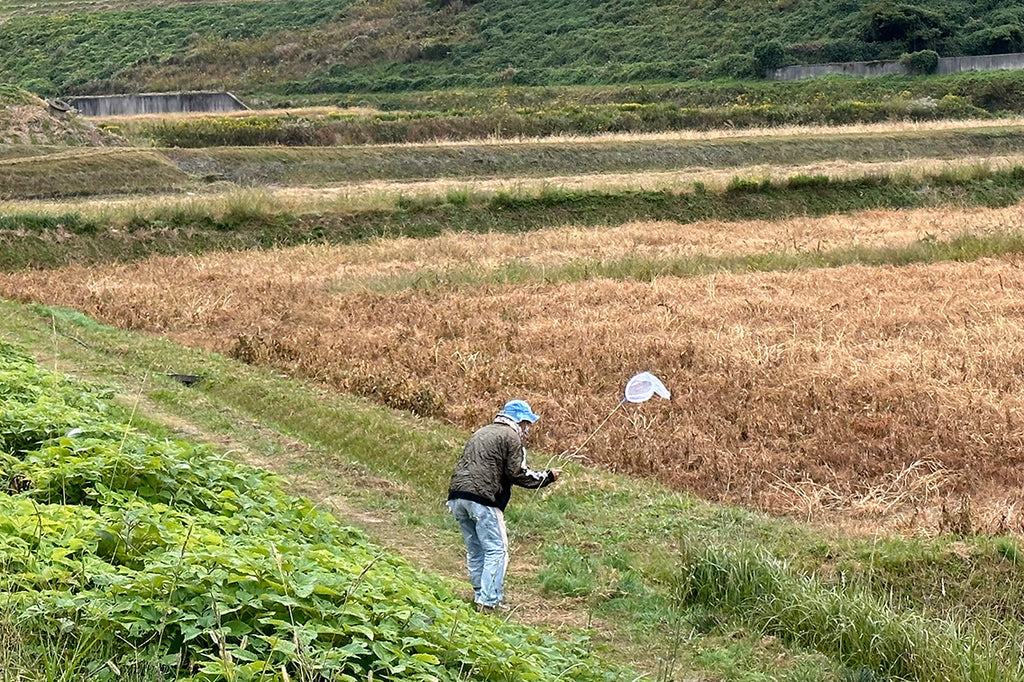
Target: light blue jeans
483, 529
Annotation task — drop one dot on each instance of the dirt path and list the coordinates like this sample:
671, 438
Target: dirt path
421, 549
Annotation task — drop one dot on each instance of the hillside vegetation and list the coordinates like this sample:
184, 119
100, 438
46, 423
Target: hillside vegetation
27, 120
314, 46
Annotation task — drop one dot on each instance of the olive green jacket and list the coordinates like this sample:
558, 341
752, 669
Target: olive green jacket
494, 460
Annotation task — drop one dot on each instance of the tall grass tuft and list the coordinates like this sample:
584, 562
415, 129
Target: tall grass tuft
853, 627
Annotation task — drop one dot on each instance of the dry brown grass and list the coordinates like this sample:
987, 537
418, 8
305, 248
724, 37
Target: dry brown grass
874, 393
361, 266
35, 123
768, 131
217, 198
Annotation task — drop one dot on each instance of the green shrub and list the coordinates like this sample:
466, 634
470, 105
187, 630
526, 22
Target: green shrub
920, 63
737, 66
769, 56
806, 181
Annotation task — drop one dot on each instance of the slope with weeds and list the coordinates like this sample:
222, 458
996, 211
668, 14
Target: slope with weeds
158, 558
689, 589
27, 120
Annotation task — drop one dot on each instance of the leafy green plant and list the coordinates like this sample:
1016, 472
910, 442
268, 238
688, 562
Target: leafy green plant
122, 550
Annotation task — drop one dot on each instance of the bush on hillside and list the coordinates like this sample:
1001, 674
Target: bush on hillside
769, 56
825, 51
916, 27
737, 66
1002, 39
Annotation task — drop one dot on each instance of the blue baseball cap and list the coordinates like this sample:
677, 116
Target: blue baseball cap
519, 411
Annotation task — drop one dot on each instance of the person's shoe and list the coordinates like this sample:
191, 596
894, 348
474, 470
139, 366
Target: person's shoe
495, 609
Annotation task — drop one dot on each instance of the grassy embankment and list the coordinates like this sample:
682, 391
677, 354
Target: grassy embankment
248, 222
136, 556
672, 583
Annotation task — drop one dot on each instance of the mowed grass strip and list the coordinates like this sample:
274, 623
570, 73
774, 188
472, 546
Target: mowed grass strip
88, 172
319, 165
859, 389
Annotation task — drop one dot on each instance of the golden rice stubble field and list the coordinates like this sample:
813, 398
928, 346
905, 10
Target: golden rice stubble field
876, 395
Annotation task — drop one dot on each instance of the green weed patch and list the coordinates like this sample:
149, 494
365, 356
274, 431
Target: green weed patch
157, 557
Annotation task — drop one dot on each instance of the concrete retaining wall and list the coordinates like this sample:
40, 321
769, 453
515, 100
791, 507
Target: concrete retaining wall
985, 62
155, 103
878, 68
988, 62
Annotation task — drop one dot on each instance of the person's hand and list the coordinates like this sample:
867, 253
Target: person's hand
555, 473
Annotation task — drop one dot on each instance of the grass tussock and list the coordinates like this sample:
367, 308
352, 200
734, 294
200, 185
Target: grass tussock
850, 625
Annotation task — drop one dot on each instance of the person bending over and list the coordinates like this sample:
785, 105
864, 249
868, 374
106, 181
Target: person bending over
493, 460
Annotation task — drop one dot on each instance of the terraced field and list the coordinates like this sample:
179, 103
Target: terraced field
836, 312
857, 388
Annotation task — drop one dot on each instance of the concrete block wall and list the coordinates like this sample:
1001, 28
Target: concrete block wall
155, 103
985, 62
988, 62
876, 68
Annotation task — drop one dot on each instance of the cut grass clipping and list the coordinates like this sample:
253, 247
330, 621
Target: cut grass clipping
157, 558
